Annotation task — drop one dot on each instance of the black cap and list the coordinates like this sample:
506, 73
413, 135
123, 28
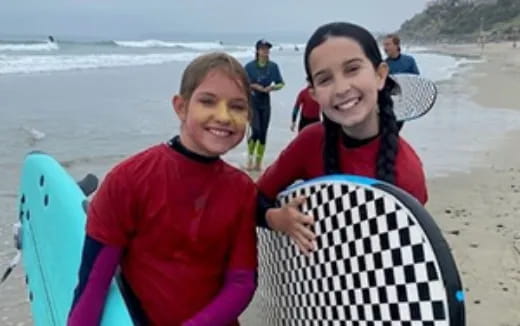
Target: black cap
262, 43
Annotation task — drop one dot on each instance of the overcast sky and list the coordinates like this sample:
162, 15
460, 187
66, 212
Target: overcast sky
138, 18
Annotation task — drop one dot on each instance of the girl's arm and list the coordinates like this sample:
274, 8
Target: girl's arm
287, 169
110, 223
233, 299
98, 266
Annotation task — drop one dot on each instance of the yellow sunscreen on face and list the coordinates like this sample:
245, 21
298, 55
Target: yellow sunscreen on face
224, 113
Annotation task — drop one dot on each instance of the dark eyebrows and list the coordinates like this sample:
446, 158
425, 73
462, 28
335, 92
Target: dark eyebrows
346, 63
355, 60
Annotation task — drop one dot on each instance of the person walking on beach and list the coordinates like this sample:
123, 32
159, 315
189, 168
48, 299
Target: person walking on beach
398, 62
310, 110
265, 77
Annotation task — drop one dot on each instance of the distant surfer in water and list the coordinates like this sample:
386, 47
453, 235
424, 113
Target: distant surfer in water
265, 77
359, 133
398, 62
51, 39
176, 218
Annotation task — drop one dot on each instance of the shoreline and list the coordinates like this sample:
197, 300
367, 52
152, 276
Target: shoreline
478, 210
500, 62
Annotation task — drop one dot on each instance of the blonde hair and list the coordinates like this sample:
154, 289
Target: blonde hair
199, 68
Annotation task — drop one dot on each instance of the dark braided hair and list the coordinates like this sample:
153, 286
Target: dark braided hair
389, 130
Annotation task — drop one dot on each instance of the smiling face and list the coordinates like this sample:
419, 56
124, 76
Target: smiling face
346, 85
215, 118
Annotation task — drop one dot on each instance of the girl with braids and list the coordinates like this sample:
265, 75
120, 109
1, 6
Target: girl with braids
359, 134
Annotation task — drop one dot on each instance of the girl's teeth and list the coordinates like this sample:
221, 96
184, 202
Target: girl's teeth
220, 133
349, 104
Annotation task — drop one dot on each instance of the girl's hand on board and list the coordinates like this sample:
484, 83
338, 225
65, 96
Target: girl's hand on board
291, 221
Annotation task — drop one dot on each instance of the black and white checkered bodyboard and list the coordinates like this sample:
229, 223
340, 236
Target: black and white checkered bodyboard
414, 96
380, 261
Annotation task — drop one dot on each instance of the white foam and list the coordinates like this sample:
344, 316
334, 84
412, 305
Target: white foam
288, 46
437, 67
47, 46
415, 49
201, 46
434, 66
46, 63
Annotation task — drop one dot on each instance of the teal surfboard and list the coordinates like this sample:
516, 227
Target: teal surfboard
52, 219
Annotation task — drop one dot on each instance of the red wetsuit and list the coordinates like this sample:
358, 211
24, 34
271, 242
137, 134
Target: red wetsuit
185, 231
310, 109
303, 159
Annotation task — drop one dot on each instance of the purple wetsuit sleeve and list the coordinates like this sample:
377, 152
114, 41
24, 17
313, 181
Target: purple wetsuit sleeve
232, 300
98, 266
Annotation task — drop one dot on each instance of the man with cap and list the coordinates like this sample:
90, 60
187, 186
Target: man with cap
265, 77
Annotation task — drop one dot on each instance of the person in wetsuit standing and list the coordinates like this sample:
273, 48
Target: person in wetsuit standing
265, 77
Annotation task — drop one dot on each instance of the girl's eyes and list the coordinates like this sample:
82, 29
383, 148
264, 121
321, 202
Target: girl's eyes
207, 101
210, 102
351, 69
238, 107
323, 80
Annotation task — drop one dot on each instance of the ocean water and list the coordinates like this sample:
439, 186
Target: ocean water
95, 102
90, 104
37, 56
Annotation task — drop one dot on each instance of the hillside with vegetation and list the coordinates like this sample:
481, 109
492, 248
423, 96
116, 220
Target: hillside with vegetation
464, 20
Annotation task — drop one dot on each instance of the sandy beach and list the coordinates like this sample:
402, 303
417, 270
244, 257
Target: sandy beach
479, 211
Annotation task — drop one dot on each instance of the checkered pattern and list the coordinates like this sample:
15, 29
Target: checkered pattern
374, 265
414, 98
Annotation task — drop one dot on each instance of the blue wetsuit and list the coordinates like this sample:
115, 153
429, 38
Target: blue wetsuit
264, 75
403, 64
